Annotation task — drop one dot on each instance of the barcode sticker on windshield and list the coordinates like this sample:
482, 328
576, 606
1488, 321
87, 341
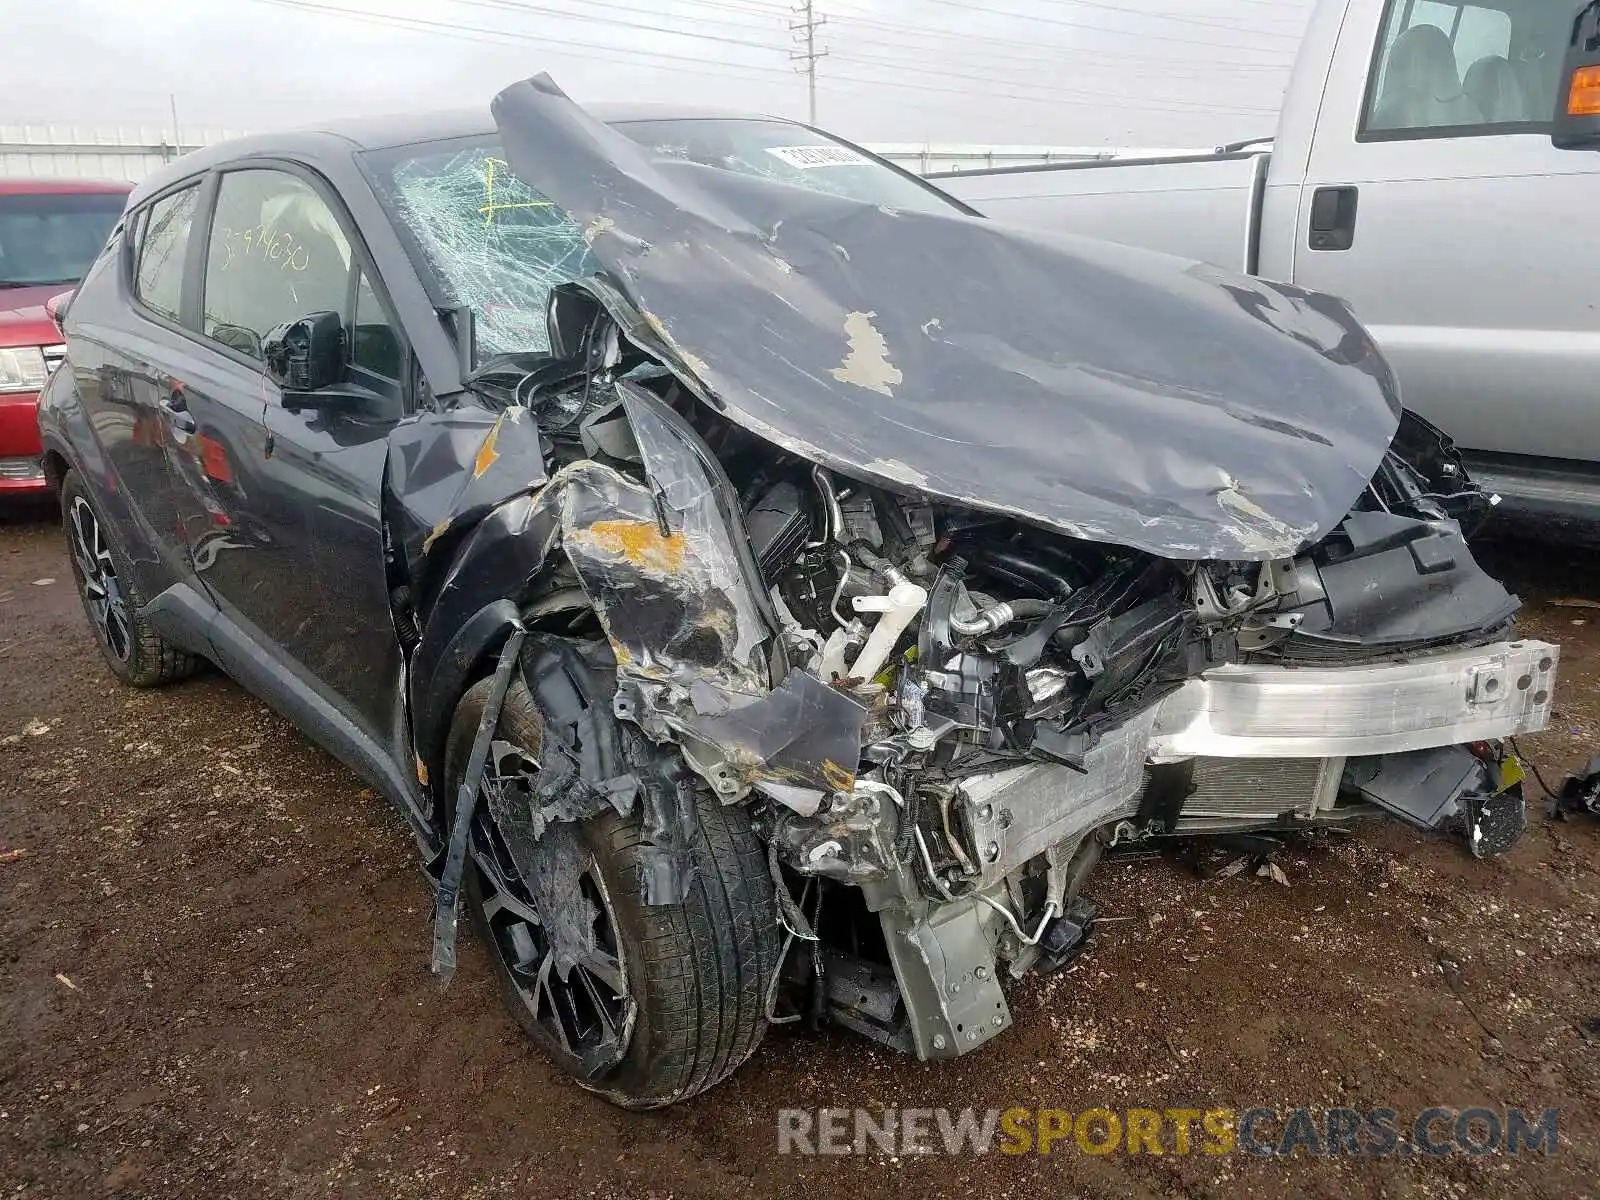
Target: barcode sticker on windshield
804, 158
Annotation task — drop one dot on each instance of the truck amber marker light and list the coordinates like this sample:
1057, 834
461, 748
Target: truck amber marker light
1584, 98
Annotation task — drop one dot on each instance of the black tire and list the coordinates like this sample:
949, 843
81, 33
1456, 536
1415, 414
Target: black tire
696, 972
135, 652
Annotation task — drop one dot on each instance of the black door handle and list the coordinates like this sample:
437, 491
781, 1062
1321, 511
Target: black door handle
1333, 218
177, 409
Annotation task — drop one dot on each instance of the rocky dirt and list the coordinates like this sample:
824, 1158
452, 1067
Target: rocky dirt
213, 978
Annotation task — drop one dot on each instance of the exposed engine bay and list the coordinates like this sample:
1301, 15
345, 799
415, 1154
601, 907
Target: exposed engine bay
945, 716
950, 602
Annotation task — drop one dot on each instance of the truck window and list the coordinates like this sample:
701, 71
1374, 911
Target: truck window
1465, 70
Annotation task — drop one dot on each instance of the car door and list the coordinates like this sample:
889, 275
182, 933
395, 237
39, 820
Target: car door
294, 553
128, 338
1436, 204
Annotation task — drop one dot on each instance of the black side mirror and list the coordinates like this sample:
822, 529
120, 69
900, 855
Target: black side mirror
1576, 125
306, 355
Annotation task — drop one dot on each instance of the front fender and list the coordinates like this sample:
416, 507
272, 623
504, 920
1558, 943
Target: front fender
661, 556
474, 611
444, 667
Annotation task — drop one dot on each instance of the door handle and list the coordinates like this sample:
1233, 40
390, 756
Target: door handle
1333, 218
177, 410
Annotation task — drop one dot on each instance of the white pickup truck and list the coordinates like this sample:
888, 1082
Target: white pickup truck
1415, 172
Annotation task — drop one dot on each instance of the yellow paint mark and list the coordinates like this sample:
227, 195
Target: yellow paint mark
866, 364
490, 205
639, 542
836, 777
434, 534
487, 452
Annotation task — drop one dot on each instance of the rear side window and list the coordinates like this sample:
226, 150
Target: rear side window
1442, 69
163, 239
276, 254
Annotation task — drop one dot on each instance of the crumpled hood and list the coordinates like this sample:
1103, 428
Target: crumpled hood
1112, 394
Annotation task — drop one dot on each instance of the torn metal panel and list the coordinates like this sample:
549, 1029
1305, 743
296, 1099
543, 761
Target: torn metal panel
446, 470
662, 565
588, 761
803, 733
688, 642
666, 587
1132, 398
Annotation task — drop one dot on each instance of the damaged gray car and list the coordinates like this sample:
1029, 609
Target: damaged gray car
766, 586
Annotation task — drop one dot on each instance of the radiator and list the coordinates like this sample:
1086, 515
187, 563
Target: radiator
1263, 787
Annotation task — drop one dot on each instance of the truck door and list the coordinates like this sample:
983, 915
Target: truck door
1435, 203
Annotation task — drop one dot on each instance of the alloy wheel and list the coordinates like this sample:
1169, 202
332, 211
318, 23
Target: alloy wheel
103, 597
552, 922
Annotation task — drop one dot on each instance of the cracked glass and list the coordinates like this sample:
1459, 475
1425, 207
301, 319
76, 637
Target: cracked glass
492, 243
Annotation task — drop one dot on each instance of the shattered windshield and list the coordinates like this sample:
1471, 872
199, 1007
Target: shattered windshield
492, 243
497, 246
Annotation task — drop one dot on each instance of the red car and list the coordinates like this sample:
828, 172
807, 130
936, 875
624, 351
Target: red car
50, 231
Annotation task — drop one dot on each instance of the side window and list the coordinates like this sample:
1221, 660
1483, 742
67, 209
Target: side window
163, 237
374, 344
1442, 68
276, 254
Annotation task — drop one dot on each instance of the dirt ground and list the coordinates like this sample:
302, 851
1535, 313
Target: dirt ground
213, 979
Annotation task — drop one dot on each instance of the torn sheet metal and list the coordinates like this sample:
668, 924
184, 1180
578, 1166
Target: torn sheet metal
666, 584
1113, 394
688, 642
448, 470
804, 733
667, 593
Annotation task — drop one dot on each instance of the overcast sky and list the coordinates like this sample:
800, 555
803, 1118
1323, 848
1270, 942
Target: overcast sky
1062, 72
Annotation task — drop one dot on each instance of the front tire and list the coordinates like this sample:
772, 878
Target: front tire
658, 1002
135, 652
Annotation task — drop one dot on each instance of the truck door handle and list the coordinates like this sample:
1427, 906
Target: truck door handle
1333, 218
177, 410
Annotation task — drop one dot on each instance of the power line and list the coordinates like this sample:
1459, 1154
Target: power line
1141, 34
1055, 92
1066, 56
536, 10
504, 37
606, 6
744, 71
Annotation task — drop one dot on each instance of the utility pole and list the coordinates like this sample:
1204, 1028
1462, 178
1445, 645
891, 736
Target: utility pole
805, 32
177, 138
